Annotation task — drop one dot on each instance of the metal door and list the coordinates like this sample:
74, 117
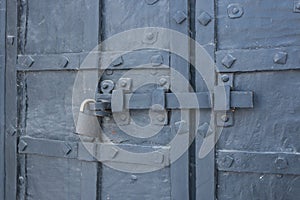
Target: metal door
54, 38
255, 45
248, 101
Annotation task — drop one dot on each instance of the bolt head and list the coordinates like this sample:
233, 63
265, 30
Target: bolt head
123, 117
161, 118
235, 10
228, 61
224, 118
150, 36
123, 83
105, 86
225, 78
162, 81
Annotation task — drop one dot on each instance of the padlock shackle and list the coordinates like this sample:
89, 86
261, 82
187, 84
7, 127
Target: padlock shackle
84, 103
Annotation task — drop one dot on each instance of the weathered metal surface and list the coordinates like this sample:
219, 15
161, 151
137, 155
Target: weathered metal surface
2, 92
263, 140
283, 58
10, 102
258, 162
267, 20
55, 27
254, 45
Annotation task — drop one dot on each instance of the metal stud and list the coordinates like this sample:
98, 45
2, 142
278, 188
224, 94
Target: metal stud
235, 11
119, 61
157, 60
179, 17
22, 145
204, 18
26, 61
225, 78
161, 118
162, 81
11, 39
67, 149
228, 60
65, 62
280, 58
224, 118
113, 152
297, 6
281, 163
226, 161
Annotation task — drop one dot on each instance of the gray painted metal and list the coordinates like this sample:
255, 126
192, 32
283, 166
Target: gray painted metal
257, 59
10, 102
2, 94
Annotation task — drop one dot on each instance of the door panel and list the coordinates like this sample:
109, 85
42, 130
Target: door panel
54, 38
164, 183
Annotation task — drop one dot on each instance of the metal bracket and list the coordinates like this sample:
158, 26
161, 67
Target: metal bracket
233, 99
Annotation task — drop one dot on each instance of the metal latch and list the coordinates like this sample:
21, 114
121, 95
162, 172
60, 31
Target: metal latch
223, 100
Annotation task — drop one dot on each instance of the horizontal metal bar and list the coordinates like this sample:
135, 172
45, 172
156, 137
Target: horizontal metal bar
247, 60
96, 152
145, 59
52, 148
258, 162
173, 101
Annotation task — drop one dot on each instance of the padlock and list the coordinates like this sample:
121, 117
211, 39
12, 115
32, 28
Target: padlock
88, 126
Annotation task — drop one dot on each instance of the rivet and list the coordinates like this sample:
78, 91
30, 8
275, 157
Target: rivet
150, 36
225, 78
123, 117
162, 81
224, 118
157, 60
281, 163
297, 7
204, 18
21, 180
26, 61
227, 161
133, 177
11, 39
235, 10
118, 61
11, 131
109, 72
113, 152
22, 145
161, 118
65, 62
228, 60
179, 17
280, 58
123, 83
67, 149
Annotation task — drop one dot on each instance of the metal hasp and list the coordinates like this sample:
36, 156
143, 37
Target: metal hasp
226, 100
